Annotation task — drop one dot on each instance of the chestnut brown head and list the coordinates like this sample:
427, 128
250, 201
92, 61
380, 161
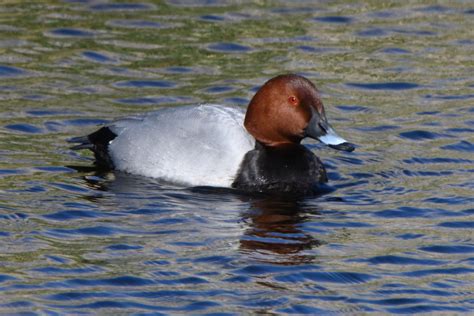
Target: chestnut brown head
286, 109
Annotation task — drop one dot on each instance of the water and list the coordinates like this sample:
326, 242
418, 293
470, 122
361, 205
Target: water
394, 236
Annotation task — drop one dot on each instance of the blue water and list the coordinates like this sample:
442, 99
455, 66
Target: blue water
393, 232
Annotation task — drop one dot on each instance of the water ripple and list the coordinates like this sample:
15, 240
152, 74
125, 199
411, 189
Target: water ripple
331, 277
420, 135
71, 32
429, 308
9, 71
98, 57
437, 160
334, 19
463, 146
154, 100
449, 249
24, 128
402, 260
430, 272
129, 281
145, 84
229, 48
458, 224
384, 85
138, 24
121, 6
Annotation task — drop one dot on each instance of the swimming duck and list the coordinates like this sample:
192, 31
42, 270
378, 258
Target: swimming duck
214, 145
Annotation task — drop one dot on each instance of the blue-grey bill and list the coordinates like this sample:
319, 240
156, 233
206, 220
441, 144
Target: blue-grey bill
335, 141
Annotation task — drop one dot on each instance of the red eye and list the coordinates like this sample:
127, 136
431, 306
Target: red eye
293, 100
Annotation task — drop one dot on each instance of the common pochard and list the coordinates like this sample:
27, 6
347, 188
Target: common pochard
213, 145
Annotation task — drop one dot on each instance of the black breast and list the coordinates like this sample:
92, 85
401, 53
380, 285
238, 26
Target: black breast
291, 169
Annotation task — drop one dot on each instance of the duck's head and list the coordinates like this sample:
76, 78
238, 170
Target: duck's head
288, 108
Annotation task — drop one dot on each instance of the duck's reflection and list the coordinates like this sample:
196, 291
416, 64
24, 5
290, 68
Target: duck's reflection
274, 227
275, 234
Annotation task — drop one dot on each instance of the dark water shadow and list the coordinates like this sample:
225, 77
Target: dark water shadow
274, 231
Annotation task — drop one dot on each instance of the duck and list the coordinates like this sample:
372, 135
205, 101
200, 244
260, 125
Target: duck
213, 145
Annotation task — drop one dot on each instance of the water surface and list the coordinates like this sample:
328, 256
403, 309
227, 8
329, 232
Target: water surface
395, 235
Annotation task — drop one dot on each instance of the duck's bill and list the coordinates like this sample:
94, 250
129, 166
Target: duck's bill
335, 141
319, 128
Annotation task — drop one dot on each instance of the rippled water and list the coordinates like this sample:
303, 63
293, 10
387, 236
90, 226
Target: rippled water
394, 236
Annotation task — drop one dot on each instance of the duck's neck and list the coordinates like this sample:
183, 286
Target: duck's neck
277, 146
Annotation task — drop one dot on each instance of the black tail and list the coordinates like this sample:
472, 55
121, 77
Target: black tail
97, 142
